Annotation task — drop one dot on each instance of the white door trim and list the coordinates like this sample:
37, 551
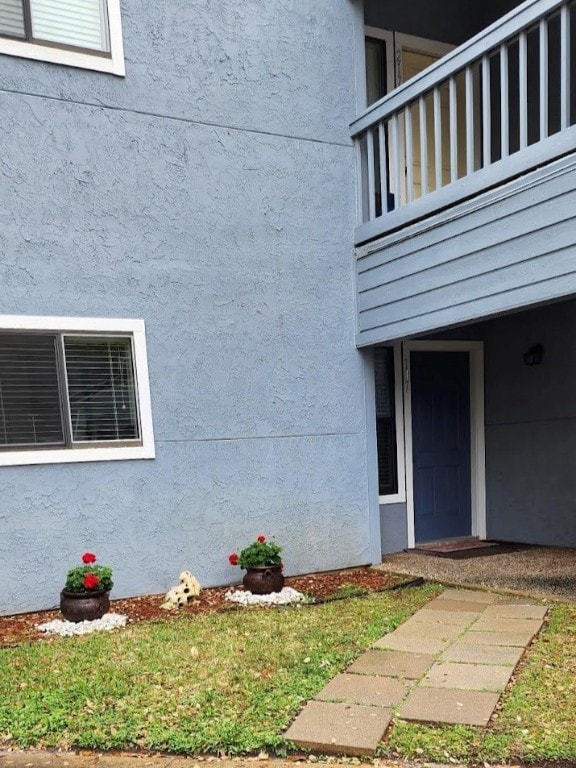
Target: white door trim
477, 437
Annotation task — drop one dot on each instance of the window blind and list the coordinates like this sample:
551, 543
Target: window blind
80, 23
12, 18
30, 411
101, 389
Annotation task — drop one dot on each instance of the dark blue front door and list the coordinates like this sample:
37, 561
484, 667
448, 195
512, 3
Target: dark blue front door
441, 444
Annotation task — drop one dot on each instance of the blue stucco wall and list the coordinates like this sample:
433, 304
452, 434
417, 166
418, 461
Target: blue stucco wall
211, 193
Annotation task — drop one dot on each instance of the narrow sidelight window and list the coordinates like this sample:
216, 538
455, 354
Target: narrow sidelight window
385, 421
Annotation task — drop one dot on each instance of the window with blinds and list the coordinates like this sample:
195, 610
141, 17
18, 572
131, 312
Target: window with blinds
30, 406
60, 390
81, 24
101, 391
385, 421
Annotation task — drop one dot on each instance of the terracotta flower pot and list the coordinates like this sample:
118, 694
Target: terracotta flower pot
84, 606
264, 580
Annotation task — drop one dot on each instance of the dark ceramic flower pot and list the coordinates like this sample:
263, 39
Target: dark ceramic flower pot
84, 606
264, 580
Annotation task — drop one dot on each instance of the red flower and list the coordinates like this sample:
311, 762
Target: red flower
261, 539
88, 557
91, 581
233, 559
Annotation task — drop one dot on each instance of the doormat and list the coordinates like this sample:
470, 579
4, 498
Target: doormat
458, 549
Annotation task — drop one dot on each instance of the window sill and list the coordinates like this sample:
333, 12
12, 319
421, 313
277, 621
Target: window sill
73, 456
393, 498
114, 65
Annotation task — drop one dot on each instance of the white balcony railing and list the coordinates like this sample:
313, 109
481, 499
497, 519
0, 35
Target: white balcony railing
494, 108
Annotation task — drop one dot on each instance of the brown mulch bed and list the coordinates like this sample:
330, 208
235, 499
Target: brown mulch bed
323, 587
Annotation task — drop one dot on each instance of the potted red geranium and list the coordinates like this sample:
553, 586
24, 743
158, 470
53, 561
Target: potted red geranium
85, 596
263, 565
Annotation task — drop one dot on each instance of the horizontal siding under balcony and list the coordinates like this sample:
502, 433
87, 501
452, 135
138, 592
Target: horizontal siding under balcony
512, 247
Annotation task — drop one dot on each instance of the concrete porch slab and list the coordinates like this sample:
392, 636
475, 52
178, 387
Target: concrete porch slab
337, 728
370, 690
468, 677
482, 654
439, 705
392, 664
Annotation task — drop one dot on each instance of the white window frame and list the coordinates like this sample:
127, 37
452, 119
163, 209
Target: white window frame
70, 325
113, 64
383, 34
400, 496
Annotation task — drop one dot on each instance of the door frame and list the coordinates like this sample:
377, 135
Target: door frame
475, 351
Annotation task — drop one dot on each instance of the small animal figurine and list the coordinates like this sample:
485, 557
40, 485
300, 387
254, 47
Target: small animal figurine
182, 593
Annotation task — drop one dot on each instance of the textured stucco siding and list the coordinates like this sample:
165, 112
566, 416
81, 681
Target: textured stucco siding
281, 66
211, 193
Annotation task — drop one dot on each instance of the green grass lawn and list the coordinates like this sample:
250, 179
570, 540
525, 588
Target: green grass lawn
232, 682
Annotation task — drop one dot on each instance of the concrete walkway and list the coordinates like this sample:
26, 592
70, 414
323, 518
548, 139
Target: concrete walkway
449, 663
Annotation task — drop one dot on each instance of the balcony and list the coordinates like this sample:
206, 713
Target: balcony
492, 110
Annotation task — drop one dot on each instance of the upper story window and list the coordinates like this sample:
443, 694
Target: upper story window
376, 69
69, 384
78, 33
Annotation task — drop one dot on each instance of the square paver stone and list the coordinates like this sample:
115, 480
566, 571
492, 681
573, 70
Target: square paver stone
439, 705
432, 615
337, 728
392, 664
468, 677
423, 629
513, 611
498, 638
466, 606
500, 624
471, 595
412, 642
371, 690
483, 654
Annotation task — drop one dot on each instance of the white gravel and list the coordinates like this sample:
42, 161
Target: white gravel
284, 597
68, 628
